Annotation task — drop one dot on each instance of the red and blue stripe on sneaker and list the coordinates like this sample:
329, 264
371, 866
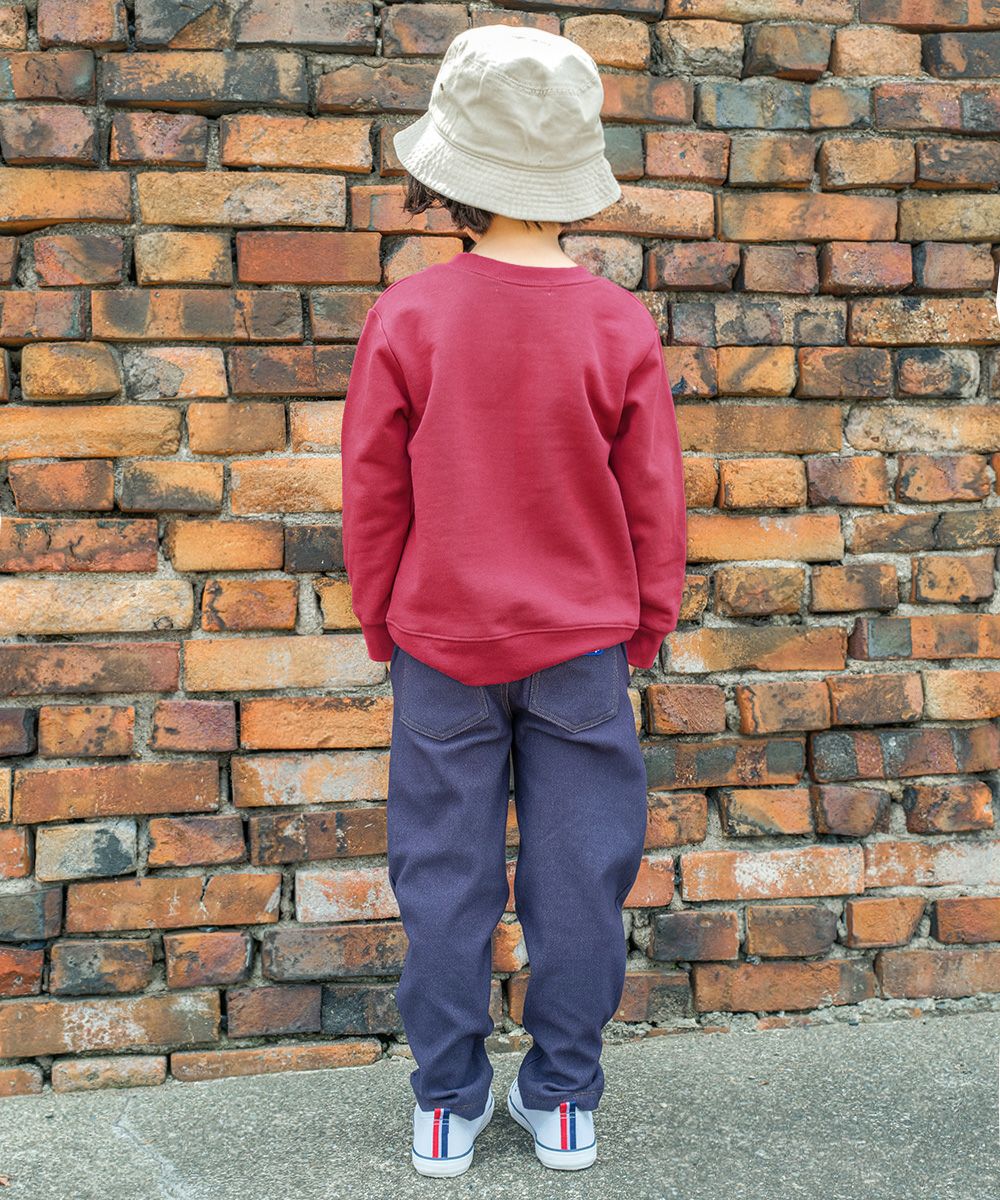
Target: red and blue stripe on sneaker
440, 1141
567, 1125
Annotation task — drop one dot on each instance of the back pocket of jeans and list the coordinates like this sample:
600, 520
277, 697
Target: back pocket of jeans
432, 703
580, 692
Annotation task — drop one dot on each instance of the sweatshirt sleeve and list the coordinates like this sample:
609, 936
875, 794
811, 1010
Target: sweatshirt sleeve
646, 460
377, 491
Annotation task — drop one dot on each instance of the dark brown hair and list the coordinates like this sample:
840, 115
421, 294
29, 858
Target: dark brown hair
420, 197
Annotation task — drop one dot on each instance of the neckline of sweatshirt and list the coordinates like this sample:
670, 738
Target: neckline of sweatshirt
531, 276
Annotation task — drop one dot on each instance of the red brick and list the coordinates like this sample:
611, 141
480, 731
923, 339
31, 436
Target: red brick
725, 761
808, 536
208, 725
313, 723
890, 753
278, 1008
850, 811
54, 75
224, 545
953, 579
882, 921
196, 841
249, 427
694, 935
932, 864
100, 967
99, 730
285, 485
783, 705
16, 858
317, 143
176, 373
329, 25
685, 708
77, 545
238, 199
758, 591
298, 837
205, 959
770, 649
298, 660
89, 431
171, 487
36, 1027
758, 482
767, 874
21, 1081
33, 197
248, 604
92, 1074
966, 919
71, 793
196, 315
159, 139
166, 257
310, 1056
75, 667
958, 807
85, 485
857, 585
778, 986
759, 812
47, 133
20, 971
290, 371
269, 780
13, 27
157, 902
308, 258
938, 973
74, 371
68, 260
790, 930
781, 217
208, 82
102, 24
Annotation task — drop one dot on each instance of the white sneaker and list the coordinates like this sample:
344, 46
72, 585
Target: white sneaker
443, 1141
564, 1137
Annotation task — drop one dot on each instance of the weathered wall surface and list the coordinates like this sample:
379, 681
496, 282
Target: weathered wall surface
198, 203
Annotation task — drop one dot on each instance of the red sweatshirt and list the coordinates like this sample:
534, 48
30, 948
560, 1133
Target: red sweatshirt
512, 474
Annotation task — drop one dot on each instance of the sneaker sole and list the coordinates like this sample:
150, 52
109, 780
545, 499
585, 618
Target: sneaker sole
447, 1167
559, 1160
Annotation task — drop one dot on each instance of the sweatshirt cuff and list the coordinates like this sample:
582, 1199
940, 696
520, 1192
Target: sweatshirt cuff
378, 641
643, 646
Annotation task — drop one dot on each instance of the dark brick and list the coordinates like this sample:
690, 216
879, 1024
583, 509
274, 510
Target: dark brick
31, 916
101, 968
351, 1009
312, 548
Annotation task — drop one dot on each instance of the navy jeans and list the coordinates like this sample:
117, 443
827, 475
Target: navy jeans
580, 798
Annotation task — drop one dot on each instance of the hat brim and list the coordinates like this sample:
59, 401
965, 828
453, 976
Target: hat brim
564, 194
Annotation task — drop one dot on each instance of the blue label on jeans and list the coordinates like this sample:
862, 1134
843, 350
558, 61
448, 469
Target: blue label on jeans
601, 651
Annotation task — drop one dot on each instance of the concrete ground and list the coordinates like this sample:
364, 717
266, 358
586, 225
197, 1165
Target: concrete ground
892, 1110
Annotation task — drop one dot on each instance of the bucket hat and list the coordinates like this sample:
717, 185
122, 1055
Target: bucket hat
514, 127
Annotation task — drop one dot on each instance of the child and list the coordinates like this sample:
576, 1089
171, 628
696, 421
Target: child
514, 534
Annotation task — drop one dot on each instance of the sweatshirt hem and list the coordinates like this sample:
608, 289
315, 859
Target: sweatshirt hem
510, 656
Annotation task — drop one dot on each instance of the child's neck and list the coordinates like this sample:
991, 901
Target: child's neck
509, 241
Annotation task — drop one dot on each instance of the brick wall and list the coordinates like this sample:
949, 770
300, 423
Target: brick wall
198, 203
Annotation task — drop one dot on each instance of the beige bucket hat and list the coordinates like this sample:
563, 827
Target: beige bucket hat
514, 127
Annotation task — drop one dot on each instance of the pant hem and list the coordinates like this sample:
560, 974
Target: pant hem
587, 1101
